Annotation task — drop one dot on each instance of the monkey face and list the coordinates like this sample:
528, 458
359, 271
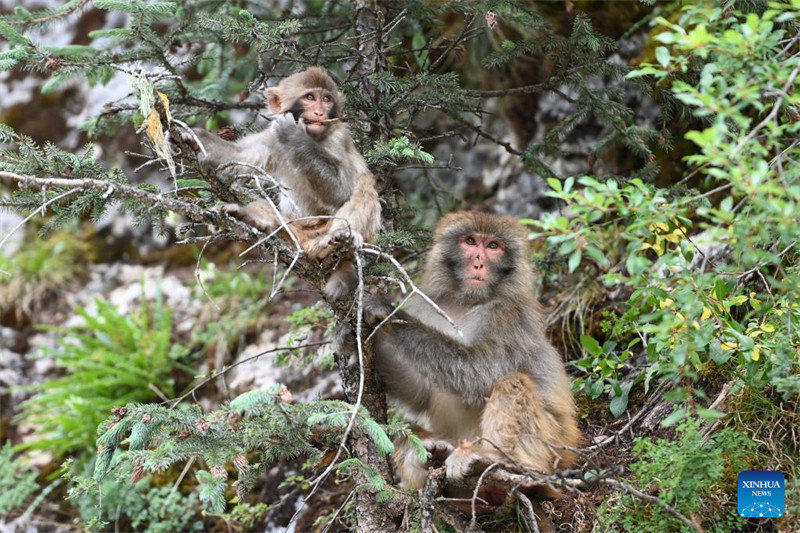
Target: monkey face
481, 265
316, 107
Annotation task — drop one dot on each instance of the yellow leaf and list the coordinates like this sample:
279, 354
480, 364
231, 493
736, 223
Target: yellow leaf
729, 345
152, 127
769, 328
696, 324
680, 316
165, 101
755, 333
756, 353
665, 303
706, 314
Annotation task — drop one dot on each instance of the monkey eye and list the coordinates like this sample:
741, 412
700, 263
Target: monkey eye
309, 96
470, 241
494, 245
326, 98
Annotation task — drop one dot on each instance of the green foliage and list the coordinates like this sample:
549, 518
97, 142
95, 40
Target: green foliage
30, 159
247, 514
17, 479
252, 432
692, 474
110, 360
709, 286
575, 58
139, 506
398, 149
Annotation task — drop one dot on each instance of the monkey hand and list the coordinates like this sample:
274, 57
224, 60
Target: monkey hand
287, 129
207, 147
458, 464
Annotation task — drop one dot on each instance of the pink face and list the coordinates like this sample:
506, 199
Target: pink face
317, 105
480, 252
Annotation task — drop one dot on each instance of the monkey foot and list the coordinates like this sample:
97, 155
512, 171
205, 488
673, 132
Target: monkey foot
458, 464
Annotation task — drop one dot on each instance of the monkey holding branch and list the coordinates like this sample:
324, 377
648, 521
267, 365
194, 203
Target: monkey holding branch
310, 153
501, 385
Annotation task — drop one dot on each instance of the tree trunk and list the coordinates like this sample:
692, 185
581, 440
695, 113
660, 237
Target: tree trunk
371, 515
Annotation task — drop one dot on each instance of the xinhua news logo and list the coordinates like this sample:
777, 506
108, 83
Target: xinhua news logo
761, 494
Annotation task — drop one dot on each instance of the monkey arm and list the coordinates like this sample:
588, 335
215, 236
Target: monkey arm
297, 148
465, 370
218, 151
362, 212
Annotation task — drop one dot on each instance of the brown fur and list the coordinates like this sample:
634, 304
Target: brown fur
503, 382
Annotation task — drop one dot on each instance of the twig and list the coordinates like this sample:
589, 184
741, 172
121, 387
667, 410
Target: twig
533, 522
389, 316
339, 510
199, 279
473, 519
53, 16
772, 114
183, 474
653, 499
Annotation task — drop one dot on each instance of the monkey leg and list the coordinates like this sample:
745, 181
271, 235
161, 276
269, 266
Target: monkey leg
259, 214
520, 425
262, 215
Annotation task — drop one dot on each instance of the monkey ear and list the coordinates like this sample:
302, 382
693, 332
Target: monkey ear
274, 99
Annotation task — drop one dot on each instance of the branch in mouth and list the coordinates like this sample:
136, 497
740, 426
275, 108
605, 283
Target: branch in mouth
323, 121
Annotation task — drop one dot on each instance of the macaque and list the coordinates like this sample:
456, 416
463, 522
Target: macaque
310, 153
502, 385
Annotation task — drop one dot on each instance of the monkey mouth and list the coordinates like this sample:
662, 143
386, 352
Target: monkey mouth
476, 280
315, 127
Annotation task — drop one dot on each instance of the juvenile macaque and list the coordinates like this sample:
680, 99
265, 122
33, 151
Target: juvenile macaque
503, 381
311, 154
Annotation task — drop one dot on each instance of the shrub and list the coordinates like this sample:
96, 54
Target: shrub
691, 473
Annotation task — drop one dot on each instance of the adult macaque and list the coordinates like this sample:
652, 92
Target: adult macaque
503, 383
311, 154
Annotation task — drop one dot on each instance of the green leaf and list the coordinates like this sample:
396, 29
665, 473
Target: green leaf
618, 404
709, 414
11, 34
574, 260
662, 56
676, 416
591, 345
